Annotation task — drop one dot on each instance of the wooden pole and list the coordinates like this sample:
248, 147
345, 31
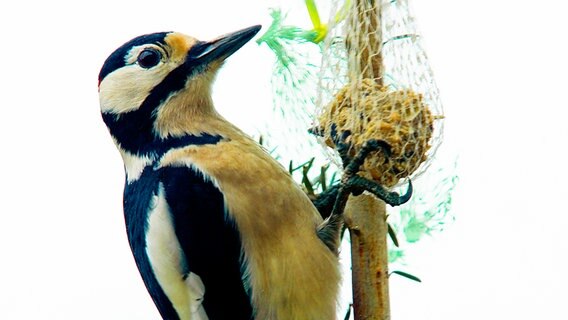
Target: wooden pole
367, 33
365, 215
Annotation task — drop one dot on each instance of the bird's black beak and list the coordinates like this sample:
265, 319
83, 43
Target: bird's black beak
222, 47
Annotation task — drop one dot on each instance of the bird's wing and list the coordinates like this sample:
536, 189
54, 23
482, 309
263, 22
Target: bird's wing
209, 240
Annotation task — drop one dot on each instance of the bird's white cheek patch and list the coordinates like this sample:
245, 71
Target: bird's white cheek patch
125, 89
168, 262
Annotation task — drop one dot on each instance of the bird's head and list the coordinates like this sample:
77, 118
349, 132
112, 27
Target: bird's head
151, 87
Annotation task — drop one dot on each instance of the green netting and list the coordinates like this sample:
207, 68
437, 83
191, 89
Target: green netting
375, 81
370, 75
294, 85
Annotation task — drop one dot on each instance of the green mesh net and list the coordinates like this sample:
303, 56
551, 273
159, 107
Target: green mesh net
294, 84
365, 71
375, 82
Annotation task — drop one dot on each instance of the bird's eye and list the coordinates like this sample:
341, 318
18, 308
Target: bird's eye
149, 58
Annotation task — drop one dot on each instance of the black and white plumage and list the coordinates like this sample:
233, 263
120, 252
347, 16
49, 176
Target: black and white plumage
185, 216
218, 229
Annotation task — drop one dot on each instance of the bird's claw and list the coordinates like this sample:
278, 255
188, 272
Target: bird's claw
357, 184
355, 164
351, 182
341, 144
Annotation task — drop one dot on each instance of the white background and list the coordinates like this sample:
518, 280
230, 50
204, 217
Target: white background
501, 68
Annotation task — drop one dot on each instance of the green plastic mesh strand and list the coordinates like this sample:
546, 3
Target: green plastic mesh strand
428, 212
294, 85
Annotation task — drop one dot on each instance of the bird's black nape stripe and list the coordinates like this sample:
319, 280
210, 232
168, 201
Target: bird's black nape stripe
165, 145
135, 133
116, 59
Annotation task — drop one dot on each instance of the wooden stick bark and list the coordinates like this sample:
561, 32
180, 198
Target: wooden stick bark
365, 215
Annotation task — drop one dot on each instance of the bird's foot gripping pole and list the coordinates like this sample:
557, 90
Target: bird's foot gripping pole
352, 183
